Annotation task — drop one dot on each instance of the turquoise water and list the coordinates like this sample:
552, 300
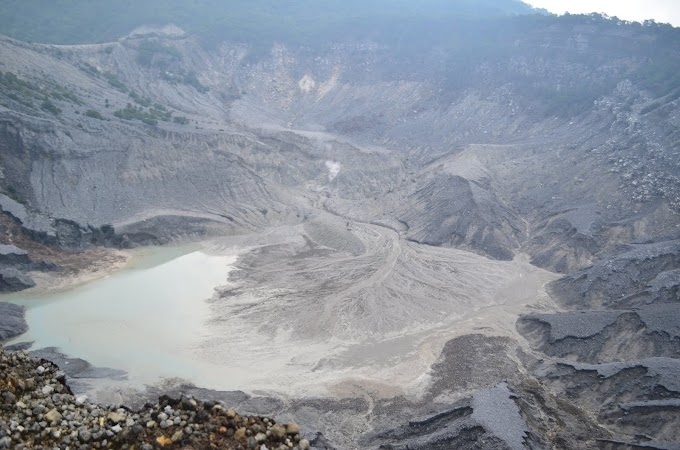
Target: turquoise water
147, 319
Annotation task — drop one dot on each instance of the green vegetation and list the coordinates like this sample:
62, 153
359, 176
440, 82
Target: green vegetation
181, 120
114, 81
60, 94
645, 53
93, 21
151, 116
12, 193
89, 68
191, 80
188, 78
662, 102
94, 114
148, 49
47, 105
21, 91
510, 39
26, 93
144, 101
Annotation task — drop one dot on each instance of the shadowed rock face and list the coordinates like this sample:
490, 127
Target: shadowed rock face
12, 280
359, 183
602, 357
455, 212
644, 274
478, 167
12, 321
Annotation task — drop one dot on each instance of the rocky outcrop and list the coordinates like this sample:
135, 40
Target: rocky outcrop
12, 280
544, 147
452, 211
12, 255
12, 322
641, 274
36, 390
619, 355
606, 336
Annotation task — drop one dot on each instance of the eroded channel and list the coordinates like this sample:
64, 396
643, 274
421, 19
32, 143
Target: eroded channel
295, 315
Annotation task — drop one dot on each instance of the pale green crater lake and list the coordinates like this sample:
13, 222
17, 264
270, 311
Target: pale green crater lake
146, 319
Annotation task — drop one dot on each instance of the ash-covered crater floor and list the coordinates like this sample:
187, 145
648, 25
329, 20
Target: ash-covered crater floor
327, 308
386, 255
337, 313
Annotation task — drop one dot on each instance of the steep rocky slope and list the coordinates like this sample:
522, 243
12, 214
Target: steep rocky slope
38, 410
368, 167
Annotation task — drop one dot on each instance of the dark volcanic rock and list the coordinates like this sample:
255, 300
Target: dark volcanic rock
473, 362
75, 367
635, 398
38, 410
12, 280
580, 324
12, 255
490, 419
452, 211
644, 274
605, 336
12, 322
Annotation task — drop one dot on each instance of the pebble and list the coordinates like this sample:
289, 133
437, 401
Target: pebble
278, 432
84, 436
240, 434
116, 417
177, 436
9, 398
39, 412
53, 416
293, 428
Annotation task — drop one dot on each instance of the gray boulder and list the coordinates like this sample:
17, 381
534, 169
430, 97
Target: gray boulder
12, 280
12, 322
12, 255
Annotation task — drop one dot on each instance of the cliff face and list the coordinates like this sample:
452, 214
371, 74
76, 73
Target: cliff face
556, 145
530, 165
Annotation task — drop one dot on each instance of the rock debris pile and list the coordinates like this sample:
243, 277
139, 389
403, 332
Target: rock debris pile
38, 410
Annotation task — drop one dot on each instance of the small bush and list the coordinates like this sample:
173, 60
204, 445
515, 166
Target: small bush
148, 49
150, 117
144, 101
115, 81
47, 105
94, 114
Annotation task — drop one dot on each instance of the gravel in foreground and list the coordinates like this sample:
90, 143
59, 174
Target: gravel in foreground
38, 411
